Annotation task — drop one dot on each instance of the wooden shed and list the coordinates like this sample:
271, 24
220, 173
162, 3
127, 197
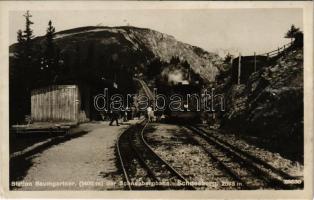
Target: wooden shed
60, 103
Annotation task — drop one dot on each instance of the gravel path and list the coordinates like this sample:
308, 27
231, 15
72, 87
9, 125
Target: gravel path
83, 163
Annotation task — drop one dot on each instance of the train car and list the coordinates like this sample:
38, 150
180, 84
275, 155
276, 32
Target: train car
183, 103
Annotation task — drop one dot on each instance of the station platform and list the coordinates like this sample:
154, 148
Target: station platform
81, 162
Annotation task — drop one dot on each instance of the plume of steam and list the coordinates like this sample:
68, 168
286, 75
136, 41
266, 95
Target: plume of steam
174, 76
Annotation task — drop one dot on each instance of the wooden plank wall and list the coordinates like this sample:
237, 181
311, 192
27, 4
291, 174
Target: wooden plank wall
55, 103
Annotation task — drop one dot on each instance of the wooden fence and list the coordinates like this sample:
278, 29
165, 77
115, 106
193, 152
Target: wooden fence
256, 58
277, 51
55, 103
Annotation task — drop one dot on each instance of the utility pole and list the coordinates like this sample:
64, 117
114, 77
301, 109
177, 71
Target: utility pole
239, 69
254, 61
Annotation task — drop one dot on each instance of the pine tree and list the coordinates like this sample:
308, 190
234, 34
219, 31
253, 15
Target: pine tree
20, 37
28, 36
292, 32
50, 60
174, 60
19, 53
23, 73
186, 65
154, 68
228, 58
27, 53
28, 31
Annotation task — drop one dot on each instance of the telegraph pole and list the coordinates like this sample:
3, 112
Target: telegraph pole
239, 69
254, 61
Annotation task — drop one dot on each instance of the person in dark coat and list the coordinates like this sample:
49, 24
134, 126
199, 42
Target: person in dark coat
114, 117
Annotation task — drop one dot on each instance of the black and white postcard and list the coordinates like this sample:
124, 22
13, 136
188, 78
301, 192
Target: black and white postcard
156, 99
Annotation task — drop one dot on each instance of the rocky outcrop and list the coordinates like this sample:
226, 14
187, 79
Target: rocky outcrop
270, 104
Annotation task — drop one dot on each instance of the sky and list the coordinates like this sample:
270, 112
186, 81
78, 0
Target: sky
238, 30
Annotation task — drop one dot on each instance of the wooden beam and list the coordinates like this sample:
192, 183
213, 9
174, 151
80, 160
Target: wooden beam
254, 61
239, 69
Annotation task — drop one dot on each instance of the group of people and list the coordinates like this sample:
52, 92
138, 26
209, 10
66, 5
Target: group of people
125, 115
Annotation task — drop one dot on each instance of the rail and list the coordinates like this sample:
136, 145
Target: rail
263, 170
132, 145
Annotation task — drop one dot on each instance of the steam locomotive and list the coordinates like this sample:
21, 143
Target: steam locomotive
183, 103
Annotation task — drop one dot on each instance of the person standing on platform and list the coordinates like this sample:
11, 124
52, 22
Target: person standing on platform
150, 114
114, 117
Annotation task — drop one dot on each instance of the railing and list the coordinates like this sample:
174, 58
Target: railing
269, 55
277, 51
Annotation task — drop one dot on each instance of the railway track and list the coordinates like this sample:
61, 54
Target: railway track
142, 167
245, 169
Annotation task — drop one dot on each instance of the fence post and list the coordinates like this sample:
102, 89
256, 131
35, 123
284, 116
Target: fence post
278, 51
239, 69
254, 61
